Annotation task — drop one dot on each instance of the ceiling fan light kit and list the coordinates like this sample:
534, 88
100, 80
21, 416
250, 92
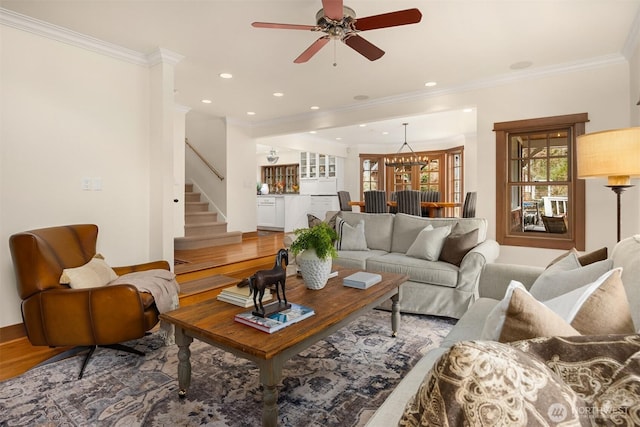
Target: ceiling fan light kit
339, 22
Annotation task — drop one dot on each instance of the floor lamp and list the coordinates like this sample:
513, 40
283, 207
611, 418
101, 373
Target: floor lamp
614, 154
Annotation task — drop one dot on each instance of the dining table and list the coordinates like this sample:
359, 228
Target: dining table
435, 208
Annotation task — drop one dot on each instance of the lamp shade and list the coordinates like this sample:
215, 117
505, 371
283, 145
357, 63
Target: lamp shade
614, 154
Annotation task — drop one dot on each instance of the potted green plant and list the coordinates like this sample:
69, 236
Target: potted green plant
316, 248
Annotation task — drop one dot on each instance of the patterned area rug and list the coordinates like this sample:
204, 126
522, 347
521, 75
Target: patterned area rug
339, 381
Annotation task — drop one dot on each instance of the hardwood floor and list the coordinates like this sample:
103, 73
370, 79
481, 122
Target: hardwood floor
236, 260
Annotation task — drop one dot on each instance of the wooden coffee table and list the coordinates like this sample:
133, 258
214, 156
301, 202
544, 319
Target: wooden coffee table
335, 306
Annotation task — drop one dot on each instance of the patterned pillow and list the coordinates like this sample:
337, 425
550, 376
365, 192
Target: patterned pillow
604, 370
488, 383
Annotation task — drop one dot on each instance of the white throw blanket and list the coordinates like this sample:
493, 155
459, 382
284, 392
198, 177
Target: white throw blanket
164, 288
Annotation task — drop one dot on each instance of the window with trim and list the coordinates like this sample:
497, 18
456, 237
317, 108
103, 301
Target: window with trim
539, 200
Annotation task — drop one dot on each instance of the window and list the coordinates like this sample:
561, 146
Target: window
539, 200
371, 173
442, 173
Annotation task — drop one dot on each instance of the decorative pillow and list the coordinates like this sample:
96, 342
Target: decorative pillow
456, 246
528, 318
313, 220
478, 383
330, 219
429, 243
93, 274
520, 316
586, 259
350, 238
597, 308
604, 370
560, 278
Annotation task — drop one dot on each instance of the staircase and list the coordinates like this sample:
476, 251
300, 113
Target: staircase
201, 227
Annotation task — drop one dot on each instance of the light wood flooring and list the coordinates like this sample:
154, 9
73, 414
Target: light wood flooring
192, 269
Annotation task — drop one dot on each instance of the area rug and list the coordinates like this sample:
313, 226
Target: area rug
339, 381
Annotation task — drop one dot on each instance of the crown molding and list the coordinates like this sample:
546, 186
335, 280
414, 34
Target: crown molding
535, 73
163, 56
73, 38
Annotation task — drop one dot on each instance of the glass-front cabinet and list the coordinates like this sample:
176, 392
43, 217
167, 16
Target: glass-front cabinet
281, 178
315, 165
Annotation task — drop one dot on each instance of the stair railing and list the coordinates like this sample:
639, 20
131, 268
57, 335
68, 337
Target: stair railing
211, 168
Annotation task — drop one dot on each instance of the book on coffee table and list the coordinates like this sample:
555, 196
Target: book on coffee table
361, 280
240, 296
275, 321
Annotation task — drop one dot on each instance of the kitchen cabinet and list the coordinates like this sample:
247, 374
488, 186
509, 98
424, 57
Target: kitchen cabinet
320, 205
286, 175
315, 165
283, 212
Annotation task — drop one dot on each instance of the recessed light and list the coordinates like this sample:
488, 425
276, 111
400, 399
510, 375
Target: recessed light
467, 110
251, 113
361, 97
315, 107
385, 133
430, 84
521, 65
226, 75
362, 125
338, 138
278, 94
313, 132
206, 101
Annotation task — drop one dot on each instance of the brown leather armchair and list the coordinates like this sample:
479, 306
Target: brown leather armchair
56, 315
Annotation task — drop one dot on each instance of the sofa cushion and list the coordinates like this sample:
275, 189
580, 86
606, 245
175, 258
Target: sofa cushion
488, 383
407, 227
350, 238
470, 325
377, 228
429, 243
419, 270
626, 255
356, 259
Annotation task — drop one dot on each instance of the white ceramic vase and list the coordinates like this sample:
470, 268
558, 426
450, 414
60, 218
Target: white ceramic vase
315, 271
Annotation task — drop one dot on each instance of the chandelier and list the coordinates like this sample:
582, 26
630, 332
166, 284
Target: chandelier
407, 158
273, 156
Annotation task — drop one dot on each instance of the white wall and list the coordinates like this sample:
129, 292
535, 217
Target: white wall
66, 114
602, 90
241, 176
209, 136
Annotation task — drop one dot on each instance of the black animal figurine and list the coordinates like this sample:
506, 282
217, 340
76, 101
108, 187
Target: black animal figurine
262, 279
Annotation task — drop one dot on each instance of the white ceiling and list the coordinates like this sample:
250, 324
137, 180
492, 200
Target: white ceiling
458, 43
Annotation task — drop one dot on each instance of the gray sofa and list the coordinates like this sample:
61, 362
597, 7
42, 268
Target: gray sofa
434, 287
494, 280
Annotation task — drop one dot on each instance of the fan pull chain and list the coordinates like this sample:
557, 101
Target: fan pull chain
335, 62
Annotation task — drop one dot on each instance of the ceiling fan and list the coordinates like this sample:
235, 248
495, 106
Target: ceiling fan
339, 22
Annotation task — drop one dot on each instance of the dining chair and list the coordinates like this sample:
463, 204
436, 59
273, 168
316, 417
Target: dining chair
469, 207
429, 196
409, 202
393, 198
555, 224
344, 198
375, 201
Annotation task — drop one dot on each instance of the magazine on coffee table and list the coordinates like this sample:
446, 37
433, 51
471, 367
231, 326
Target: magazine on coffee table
275, 321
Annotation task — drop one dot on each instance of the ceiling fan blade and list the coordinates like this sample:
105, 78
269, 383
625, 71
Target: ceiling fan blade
333, 9
391, 19
284, 26
312, 50
363, 47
